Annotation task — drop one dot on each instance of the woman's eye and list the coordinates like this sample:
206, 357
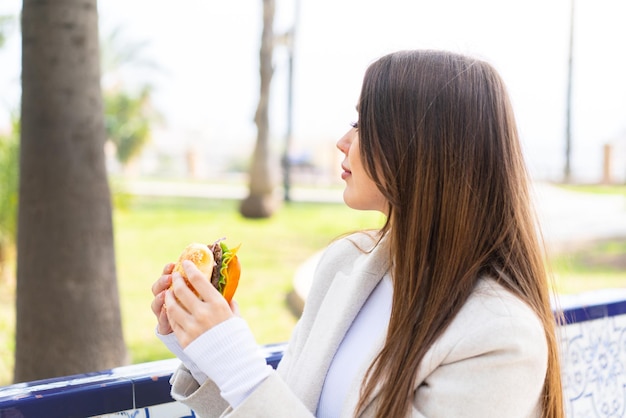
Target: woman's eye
355, 125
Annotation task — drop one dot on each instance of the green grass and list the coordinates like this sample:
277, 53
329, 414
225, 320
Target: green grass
7, 329
619, 189
150, 232
599, 265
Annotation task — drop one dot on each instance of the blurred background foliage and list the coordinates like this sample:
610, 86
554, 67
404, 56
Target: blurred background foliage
9, 172
6, 24
129, 113
128, 121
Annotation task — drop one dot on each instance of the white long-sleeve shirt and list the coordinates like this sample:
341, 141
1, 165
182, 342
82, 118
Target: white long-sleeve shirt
369, 326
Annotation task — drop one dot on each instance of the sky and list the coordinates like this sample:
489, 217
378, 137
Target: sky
205, 73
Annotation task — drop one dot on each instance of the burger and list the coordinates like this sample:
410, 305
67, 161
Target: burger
219, 264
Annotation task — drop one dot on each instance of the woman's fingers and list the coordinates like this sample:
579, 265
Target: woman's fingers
201, 283
185, 297
159, 309
158, 303
164, 281
168, 268
191, 315
213, 308
183, 318
234, 306
177, 313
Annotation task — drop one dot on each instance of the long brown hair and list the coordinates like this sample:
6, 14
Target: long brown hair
439, 139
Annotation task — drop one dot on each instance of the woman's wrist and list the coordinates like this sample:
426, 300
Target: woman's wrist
172, 344
229, 355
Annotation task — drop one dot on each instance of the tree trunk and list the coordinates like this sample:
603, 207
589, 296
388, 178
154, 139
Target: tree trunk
68, 314
261, 202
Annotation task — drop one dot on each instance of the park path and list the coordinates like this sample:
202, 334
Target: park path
571, 218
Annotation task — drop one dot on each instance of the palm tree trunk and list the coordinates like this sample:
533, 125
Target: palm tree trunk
261, 202
68, 314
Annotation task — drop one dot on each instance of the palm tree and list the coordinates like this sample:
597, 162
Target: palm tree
128, 119
68, 315
128, 115
261, 202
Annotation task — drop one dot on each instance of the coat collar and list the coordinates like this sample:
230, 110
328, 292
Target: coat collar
344, 298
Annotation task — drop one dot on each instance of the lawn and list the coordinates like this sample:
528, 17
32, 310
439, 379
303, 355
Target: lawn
149, 232
599, 265
596, 188
153, 231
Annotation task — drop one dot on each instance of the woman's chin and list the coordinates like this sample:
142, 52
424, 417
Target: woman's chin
358, 202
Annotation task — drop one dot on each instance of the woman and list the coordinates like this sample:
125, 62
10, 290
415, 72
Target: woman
444, 312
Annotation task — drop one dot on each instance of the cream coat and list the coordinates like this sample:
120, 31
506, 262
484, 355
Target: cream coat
490, 363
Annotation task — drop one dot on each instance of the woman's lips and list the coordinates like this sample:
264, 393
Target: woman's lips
346, 173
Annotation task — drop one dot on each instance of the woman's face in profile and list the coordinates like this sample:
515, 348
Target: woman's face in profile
361, 192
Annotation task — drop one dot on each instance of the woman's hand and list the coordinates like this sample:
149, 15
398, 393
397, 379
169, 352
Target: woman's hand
158, 307
191, 315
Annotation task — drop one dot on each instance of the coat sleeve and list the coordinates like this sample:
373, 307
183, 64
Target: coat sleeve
272, 398
496, 369
204, 400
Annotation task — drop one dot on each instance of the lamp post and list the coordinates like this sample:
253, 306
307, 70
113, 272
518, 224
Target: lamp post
289, 42
567, 175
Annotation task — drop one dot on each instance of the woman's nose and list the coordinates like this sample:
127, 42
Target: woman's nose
344, 142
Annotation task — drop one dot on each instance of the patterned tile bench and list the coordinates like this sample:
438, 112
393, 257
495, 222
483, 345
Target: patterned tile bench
594, 374
593, 347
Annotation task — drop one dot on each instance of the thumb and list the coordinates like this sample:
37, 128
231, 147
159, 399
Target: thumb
234, 306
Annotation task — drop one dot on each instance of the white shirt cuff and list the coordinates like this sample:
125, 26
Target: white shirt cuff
172, 344
229, 355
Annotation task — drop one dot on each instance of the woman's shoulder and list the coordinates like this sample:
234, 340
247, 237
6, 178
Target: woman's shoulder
363, 241
349, 247
494, 300
493, 318
494, 353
